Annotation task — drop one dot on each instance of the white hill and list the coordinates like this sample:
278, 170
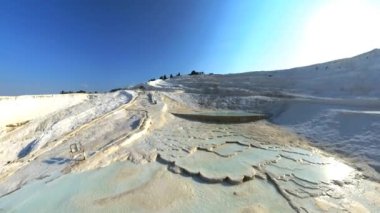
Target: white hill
356, 77
316, 151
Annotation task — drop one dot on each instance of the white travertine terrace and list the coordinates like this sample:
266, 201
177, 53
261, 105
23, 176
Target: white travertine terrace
139, 157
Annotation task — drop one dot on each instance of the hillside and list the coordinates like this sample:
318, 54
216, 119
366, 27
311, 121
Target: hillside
355, 77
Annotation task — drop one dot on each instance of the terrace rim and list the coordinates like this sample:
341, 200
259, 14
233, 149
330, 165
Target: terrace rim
224, 117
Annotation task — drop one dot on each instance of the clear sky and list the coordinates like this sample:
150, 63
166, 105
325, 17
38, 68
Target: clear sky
51, 45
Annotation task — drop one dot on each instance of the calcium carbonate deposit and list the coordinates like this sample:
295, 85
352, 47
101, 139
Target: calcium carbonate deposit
298, 140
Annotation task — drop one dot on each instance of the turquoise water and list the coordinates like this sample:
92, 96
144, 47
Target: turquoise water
126, 187
76, 192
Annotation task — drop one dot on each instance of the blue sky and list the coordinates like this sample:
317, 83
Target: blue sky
49, 46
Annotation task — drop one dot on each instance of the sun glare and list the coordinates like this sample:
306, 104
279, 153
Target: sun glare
340, 28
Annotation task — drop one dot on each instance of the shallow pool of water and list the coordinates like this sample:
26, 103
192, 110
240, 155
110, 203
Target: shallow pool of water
222, 116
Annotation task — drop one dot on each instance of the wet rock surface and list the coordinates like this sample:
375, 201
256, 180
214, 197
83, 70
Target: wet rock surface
235, 154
